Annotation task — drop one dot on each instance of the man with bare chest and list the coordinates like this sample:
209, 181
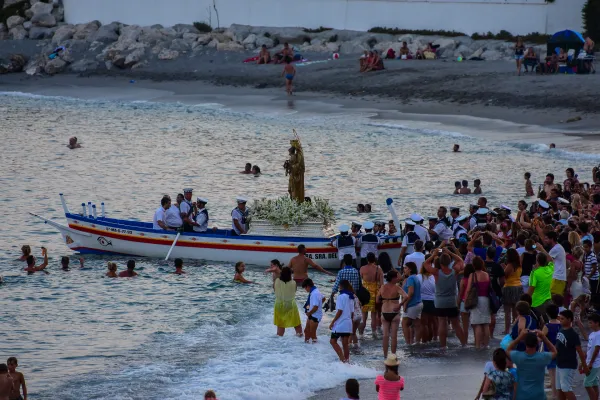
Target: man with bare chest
6, 382
299, 265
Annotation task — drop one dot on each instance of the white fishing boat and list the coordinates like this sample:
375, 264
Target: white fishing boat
89, 233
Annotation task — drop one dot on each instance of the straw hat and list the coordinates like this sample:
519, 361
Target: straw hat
392, 361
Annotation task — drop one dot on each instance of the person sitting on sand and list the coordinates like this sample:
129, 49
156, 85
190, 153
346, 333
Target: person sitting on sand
562, 56
112, 270
477, 184
285, 55
256, 170
465, 188
376, 63
531, 60
129, 273
73, 143
290, 73
247, 169
264, 57
427, 52
240, 267
363, 60
404, 52
364, 65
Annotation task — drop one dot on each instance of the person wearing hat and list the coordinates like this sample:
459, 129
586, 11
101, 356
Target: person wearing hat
239, 217
419, 229
379, 229
356, 227
367, 243
454, 213
408, 242
461, 232
506, 210
479, 220
390, 383
432, 221
201, 215
443, 225
346, 244
543, 206
186, 210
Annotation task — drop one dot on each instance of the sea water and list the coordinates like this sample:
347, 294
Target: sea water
79, 335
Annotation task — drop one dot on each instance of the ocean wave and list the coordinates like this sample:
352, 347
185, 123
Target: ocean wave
541, 148
34, 96
423, 131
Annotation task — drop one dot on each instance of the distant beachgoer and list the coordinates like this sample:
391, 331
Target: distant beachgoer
112, 270
313, 309
389, 298
18, 380
286, 313
240, 267
390, 384
285, 55
31, 268
477, 184
404, 52
372, 280
264, 57
73, 143
26, 250
528, 185
367, 208
519, 54
6, 382
457, 187
352, 390
465, 188
456, 148
179, 267
413, 305
375, 63
552, 146
129, 273
360, 208
210, 395
341, 325
274, 269
299, 265
256, 170
289, 71
239, 217
247, 169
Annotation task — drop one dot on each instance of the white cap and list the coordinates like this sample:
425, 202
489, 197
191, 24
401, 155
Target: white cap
188, 190
344, 228
543, 204
563, 200
409, 222
380, 223
461, 218
368, 225
507, 208
416, 217
241, 199
482, 211
432, 218
201, 200
454, 208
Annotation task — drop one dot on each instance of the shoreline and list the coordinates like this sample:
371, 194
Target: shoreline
495, 123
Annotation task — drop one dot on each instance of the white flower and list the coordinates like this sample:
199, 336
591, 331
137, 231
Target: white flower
286, 211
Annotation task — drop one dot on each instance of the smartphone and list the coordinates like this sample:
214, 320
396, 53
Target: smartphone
440, 251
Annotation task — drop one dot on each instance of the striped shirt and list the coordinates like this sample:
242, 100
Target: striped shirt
589, 260
350, 274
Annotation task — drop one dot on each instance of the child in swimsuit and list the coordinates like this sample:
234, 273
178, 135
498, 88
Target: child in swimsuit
240, 267
290, 72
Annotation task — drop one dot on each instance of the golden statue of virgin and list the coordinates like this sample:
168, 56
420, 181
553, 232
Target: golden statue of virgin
294, 168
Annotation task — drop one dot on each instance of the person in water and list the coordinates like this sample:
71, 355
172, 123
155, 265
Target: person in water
129, 273
341, 325
456, 148
274, 269
31, 268
289, 71
73, 143
65, 261
240, 267
26, 250
477, 184
112, 270
247, 169
210, 395
18, 380
300, 263
313, 309
179, 267
256, 170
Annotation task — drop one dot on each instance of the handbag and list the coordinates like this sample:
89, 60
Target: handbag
362, 293
472, 296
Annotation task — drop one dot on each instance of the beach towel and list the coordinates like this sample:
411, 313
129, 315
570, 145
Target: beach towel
251, 59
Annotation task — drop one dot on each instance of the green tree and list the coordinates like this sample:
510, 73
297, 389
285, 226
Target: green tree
591, 19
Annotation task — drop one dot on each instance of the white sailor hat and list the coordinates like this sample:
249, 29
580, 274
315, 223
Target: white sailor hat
543, 204
461, 218
453, 208
241, 199
369, 225
188, 190
344, 228
416, 217
354, 223
493, 212
475, 206
201, 200
380, 223
563, 200
482, 211
409, 222
507, 208
432, 218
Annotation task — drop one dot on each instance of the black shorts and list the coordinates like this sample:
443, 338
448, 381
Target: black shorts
313, 319
429, 307
447, 312
336, 335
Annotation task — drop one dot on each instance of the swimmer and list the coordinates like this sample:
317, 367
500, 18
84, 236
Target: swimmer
64, 263
18, 380
26, 250
274, 269
247, 169
360, 208
256, 170
552, 146
367, 208
6, 382
465, 188
290, 73
73, 143
456, 187
299, 265
210, 395
240, 267
112, 270
31, 268
179, 267
456, 148
477, 184
129, 273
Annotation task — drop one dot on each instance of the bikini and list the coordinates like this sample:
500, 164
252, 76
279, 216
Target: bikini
389, 316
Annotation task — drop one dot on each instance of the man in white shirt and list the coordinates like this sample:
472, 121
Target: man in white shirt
559, 257
408, 242
417, 257
419, 228
341, 325
202, 216
346, 244
239, 217
159, 220
313, 309
443, 225
173, 216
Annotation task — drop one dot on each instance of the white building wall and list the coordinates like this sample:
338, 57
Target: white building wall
468, 16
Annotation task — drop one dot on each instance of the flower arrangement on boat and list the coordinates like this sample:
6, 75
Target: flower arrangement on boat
285, 211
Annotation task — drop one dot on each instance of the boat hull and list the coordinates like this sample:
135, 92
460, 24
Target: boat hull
119, 237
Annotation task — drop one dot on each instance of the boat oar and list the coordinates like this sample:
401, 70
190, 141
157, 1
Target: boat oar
389, 203
172, 246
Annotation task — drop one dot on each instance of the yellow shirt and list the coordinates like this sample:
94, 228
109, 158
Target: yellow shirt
285, 291
514, 279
